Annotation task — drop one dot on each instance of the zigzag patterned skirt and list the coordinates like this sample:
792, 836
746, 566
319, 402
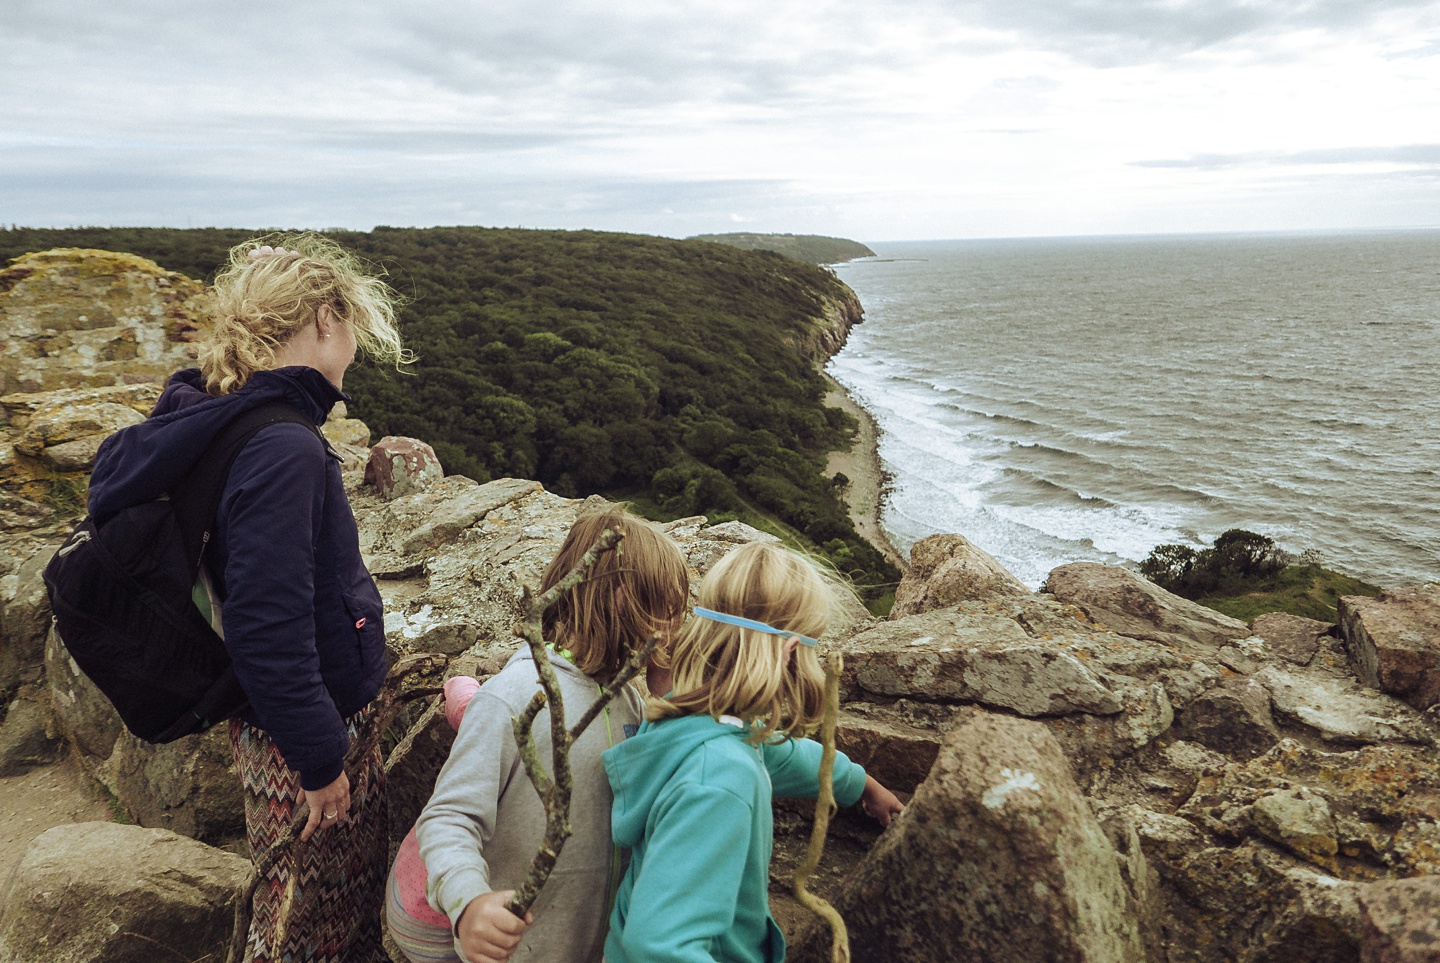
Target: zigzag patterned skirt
334, 916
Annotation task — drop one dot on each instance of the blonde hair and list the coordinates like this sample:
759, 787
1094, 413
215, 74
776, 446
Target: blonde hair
629, 594
720, 669
262, 303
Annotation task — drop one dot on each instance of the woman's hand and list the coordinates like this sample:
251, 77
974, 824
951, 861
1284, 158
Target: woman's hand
879, 803
488, 931
328, 805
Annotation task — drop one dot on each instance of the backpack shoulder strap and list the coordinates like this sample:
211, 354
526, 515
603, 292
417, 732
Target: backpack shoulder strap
196, 498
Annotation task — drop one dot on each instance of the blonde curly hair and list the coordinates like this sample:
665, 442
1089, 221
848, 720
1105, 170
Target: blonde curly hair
261, 303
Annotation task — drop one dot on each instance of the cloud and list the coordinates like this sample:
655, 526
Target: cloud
1422, 155
1115, 32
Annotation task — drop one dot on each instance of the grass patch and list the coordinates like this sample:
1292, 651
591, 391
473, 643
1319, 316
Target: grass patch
1311, 591
65, 496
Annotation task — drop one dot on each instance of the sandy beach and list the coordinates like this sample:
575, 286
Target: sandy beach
868, 478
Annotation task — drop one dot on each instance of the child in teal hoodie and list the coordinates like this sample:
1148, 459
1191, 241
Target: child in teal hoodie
693, 787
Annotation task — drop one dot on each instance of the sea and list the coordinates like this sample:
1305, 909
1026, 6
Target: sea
1087, 399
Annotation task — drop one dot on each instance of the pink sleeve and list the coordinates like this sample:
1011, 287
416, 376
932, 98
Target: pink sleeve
458, 692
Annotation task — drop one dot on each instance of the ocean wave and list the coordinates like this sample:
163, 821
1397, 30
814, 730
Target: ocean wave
1051, 488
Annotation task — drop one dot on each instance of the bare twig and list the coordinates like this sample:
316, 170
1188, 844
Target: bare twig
555, 787
632, 667
824, 809
392, 696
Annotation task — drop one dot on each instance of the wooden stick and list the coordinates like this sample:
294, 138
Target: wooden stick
555, 787
824, 809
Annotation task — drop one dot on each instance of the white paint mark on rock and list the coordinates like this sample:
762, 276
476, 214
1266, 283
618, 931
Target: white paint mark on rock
995, 796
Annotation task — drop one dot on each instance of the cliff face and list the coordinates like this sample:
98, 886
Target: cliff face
839, 312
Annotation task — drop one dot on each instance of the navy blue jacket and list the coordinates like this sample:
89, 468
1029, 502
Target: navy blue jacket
302, 619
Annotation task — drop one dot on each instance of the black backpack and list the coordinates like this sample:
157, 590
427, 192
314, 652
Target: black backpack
124, 595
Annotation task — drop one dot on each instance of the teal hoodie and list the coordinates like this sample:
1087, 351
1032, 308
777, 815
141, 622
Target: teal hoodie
692, 803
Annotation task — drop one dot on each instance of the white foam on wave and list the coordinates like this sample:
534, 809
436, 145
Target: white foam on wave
949, 476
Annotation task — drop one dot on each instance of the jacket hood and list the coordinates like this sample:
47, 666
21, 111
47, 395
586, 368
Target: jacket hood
142, 462
641, 766
562, 667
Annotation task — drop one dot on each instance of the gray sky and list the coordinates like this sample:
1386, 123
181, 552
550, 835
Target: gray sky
891, 120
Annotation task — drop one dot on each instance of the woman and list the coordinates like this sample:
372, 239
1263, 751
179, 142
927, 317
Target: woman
300, 615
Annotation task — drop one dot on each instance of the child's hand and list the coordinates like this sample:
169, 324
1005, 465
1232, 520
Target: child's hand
489, 932
879, 803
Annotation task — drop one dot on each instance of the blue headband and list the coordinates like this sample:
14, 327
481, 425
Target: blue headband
751, 624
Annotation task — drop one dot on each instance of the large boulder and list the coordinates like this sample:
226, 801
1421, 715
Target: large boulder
26, 740
946, 569
1233, 718
109, 893
1134, 606
1339, 710
1293, 638
996, 858
1394, 641
399, 466
989, 659
83, 318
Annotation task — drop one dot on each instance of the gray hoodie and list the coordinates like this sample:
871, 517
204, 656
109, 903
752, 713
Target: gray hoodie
484, 822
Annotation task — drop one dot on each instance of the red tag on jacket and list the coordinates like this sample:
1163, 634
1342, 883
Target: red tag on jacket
360, 624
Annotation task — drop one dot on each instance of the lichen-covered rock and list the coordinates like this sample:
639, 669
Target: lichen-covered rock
54, 426
20, 407
107, 893
25, 737
997, 858
85, 716
189, 786
1385, 801
1394, 641
24, 614
1298, 819
1234, 718
453, 561
1252, 903
1339, 710
1400, 921
1291, 637
893, 751
946, 569
401, 466
1134, 606
974, 658
341, 429
84, 318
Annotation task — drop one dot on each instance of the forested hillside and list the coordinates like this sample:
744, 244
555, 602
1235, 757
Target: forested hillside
813, 248
658, 370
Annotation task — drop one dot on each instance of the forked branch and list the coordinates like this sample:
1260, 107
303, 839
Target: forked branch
555, 787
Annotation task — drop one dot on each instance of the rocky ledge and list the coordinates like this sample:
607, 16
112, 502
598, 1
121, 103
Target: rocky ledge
1099, 771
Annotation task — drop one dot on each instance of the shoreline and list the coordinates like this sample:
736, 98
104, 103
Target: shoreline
861, 463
